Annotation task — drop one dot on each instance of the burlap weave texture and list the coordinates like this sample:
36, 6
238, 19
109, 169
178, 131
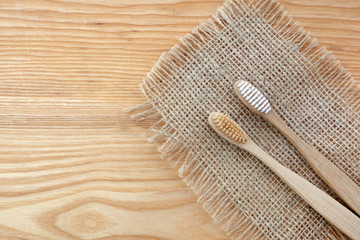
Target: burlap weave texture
258, 42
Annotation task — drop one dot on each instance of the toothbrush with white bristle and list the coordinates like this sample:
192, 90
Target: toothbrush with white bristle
325, 205
344, 187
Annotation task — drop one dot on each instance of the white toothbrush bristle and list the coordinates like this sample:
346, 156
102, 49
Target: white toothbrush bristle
243, 90
250, 95
258, 98
254, 97
248, 91
261, 100
241, 84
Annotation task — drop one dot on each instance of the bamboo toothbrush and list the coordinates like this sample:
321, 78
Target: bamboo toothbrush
344, 187
329, 208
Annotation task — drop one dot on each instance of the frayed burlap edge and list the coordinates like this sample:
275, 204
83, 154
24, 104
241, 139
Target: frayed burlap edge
209, 191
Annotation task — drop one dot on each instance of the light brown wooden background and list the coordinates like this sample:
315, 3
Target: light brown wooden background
72, 163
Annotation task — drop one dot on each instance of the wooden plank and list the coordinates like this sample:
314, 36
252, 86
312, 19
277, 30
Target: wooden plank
72, 163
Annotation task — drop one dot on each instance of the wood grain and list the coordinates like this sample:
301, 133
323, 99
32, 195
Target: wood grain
72, 163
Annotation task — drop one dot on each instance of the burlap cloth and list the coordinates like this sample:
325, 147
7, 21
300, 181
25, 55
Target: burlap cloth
259, 42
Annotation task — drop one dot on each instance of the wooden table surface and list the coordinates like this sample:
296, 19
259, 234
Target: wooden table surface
72, 163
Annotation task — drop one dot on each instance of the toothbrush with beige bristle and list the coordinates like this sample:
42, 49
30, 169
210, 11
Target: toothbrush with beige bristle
344, 187
325, 205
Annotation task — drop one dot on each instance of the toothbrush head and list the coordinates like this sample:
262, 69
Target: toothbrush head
227, 128
252, 97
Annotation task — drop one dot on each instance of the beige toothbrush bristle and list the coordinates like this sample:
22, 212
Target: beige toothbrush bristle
231, 129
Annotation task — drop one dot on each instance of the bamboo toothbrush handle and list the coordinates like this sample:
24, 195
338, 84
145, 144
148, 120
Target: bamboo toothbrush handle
329, 208
344, 187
